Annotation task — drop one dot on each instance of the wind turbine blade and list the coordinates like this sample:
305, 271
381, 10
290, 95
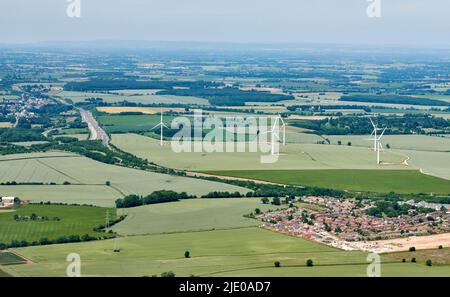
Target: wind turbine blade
375, 127
382, 133
276, 135
157, 126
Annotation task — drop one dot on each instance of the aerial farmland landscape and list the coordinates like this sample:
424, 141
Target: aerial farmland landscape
236, 156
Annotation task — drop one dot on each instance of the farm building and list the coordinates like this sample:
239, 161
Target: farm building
8, 201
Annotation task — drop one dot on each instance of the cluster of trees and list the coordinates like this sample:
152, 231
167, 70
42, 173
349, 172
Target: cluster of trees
263, 190
320, 108
162, 196
228, 96
5, 118
14, 183
268, 190
237, 110
98, 101
275, 200
65, 139
34, 217
47, 116
406, 124
392, 209
20, 134
131, 84
225, 194
102, 228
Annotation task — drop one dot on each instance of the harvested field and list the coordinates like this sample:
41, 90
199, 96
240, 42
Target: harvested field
419, 242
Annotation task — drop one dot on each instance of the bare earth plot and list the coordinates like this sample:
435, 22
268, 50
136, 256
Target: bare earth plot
419, 242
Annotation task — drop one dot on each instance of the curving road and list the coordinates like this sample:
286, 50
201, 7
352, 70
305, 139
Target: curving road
97, 133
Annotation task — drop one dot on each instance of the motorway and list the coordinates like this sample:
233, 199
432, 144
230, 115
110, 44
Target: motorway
97, 133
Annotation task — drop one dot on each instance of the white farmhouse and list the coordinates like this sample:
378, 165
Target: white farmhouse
7, 202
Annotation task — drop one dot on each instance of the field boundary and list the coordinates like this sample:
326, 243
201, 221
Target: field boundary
59, 171
42, 157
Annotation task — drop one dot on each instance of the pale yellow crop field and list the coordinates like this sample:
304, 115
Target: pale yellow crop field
5, 125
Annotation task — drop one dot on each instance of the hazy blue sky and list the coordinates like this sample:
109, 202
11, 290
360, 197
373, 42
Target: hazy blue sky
407, 22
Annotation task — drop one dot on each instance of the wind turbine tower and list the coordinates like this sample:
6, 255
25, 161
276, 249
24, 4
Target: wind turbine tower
274, 134
161, 125
379, 146
283, 127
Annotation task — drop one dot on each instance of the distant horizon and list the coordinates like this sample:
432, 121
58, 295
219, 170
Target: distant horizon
412, 23
120, 43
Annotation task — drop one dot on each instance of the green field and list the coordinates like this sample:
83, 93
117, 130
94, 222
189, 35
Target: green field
190, 215
28, 143
77, 136
383, 181
7, 258
100, 195
87, 178
74, 220
292, 156
3, 273
126, 123
72, 131
144, 99
238, 252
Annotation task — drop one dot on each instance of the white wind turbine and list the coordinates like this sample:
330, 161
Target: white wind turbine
274, 134
374, 134
162, 126
379, 146
283, 126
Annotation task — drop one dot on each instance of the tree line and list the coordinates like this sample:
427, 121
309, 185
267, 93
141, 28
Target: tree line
162, 196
